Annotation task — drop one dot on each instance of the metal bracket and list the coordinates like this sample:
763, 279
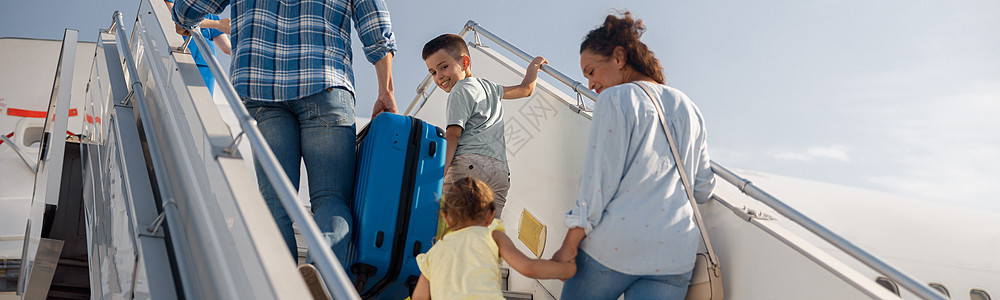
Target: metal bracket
231, 149
155, 227
131, 93
475, 35
750, 214
580, 105
184, 46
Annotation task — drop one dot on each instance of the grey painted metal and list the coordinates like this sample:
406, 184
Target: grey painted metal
747, 187
184, 184
169, 208
139, 203
107, 83
20, 152
48, 177
333, 273
42, 268
807, 249
232, 250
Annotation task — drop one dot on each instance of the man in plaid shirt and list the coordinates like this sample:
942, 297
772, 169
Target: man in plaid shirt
291, 66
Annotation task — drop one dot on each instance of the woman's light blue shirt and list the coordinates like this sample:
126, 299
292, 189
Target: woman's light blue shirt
631, 201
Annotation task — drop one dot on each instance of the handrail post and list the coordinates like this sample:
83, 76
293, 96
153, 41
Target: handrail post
748, 188
337, 281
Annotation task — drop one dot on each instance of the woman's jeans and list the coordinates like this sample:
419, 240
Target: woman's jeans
595, 281
320, 130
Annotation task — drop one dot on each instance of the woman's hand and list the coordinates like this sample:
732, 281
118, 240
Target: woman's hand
565, 255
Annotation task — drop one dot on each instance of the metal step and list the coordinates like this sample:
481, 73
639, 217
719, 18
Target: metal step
516, 295
511, 295
300, 243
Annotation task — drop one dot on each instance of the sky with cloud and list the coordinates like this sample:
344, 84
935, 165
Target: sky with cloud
899, 96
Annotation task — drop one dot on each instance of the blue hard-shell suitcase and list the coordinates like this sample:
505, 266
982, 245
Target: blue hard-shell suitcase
398, 186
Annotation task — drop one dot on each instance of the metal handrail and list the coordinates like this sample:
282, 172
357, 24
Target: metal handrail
170, 211
748, 188
337, 281
472, 26
575, 85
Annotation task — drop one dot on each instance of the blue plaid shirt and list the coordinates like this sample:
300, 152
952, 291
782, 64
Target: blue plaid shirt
286, 50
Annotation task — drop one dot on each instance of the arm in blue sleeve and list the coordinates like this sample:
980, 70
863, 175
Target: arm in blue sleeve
604, 165
371, 19
188, 13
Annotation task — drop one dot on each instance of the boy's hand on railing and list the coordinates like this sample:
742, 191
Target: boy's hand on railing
536, 64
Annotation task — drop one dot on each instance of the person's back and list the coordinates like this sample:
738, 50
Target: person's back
465, 264
631, 230
285, 50
292, 69
640, 187
474, 104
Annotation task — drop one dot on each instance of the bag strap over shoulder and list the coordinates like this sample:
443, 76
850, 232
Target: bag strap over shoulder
684, 177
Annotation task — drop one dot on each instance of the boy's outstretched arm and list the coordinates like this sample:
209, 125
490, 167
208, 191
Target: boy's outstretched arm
423, 289
451, 135
527, 86
533, 268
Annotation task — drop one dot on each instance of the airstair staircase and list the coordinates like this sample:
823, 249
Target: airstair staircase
166, 207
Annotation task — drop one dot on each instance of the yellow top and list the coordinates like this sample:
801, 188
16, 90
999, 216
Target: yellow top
465, 264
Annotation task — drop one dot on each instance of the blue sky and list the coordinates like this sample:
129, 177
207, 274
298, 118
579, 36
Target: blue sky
900, 96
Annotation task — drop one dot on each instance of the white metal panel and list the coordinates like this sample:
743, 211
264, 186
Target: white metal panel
28, 68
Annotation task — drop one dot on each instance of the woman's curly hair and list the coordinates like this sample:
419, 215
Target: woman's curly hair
624, 31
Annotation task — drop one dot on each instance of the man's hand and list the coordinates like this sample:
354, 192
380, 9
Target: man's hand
386, 102
180, 30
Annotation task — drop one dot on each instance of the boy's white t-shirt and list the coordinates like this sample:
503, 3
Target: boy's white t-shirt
474, 105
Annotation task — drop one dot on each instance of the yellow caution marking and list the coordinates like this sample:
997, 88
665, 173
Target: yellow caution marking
532, 233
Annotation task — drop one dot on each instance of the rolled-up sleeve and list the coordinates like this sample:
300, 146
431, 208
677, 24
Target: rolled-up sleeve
371, 19
604, 165
704, 179
189, 13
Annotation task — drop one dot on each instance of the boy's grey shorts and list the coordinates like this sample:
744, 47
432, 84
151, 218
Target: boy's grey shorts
489, 170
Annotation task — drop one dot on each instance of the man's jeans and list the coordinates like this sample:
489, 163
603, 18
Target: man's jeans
320, 130
595, 281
